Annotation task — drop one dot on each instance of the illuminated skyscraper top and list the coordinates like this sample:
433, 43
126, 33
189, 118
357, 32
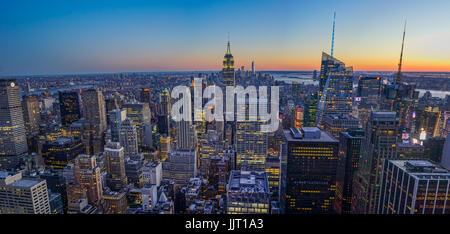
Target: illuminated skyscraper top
228, 68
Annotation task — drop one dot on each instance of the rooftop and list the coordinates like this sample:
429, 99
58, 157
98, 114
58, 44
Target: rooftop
308, 134
248, 181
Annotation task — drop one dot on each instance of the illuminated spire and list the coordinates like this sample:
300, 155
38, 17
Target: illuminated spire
397, 78
332, 36
228, 46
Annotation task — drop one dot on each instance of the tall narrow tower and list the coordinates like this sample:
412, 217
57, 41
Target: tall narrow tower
332, 35
228, 68
398, 77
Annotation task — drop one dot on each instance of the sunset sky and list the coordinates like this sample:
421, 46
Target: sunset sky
60, 37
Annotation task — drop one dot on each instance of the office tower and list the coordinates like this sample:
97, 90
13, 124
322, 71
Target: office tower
251, 141
228, 68
308, 171
368, 96
116, 117
253, 68
165, 102
334, 124
309, 117
22, 196
209, 145
31, 114
128, 138
133, 170
61, 151
218, 173
86, 174
413, 187
272, 169
69, 105
164, 148
350, 142
116, 202
149, 197
180, 165
433, 148
111, 103
335, 88
164, 116
152, 173
379, 145
56, 203
428, 120
445, 160
139, 114
145, 95
13, 142
248, 193
186, 135
56, 183
406, 150
94, 110
115, 166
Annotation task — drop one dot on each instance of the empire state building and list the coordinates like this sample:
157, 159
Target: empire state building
228, 68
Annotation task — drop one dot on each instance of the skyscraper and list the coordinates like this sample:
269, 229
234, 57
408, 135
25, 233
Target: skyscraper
139, 114
379, 144
350, 142
336, 88
115, 166
128, 138
228, 68
61, 151
23, 196
94, 110
180, 166
186, 135
69, 105
253, 68
367, 96
116, 116
87, 175
413, 187
334, 124
13, 142
31, 114
251, 141
308, 171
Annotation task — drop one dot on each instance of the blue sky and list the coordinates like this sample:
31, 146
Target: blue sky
49, 37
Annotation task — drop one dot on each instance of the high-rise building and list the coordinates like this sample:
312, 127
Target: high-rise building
94, 110
428, 120
164, 147
350, 142
228, 68
116, 202
23, 196
152, 173
86, 174
335, 88
272, 169
413, 187
146, 95
180, 166
116, 117
139, 114
379, 144
115, 166
69, 105
186, 135
308, 171
13, 143
31, 114
368, 96
61, 151
334, 124
251, 141
253, 68
248, 193
128, 138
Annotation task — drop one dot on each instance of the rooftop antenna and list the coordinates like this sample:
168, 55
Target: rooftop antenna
397, 78
332, 36
228, 46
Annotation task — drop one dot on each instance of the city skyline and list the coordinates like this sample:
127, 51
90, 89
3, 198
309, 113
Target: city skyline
124, 37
